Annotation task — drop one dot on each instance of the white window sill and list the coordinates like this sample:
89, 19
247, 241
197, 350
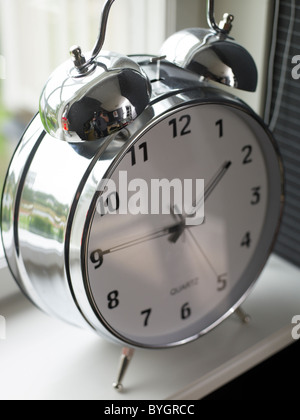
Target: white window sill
42, 358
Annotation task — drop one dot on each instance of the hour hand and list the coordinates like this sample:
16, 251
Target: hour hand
173, 231
176, 232
180, 227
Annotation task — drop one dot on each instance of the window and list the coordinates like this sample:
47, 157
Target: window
282, 114
36, 35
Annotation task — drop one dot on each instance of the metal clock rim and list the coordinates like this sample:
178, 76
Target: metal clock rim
224, 99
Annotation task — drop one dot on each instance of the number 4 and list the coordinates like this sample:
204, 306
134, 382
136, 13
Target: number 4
246, 242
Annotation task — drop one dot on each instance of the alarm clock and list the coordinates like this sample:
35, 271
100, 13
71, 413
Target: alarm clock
142, 274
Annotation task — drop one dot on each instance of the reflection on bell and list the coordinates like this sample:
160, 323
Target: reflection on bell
214, 57
85, 107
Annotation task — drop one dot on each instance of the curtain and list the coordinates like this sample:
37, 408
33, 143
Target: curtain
283, 115
36, 35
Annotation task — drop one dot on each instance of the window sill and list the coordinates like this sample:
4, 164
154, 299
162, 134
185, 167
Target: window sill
42, 358
7, 284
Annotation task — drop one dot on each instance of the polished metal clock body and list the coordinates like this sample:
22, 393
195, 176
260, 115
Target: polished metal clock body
112, 273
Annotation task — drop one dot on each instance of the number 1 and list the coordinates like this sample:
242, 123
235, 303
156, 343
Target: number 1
221, 131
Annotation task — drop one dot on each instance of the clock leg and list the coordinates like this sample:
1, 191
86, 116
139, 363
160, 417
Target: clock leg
127, 355
243, 316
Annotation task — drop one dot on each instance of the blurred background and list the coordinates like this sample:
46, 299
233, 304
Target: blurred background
36, 35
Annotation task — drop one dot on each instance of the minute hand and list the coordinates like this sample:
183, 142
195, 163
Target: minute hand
217, 178
211, 186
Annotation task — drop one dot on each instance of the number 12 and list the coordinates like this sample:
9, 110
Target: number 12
185, 130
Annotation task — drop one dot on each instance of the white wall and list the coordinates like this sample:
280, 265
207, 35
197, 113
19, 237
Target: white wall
252, 29
36, 36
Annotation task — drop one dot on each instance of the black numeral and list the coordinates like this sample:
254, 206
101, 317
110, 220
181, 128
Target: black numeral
222, 282
113, 301
97, 258
186, 311
132, 151
256, 193
111, 205
246, 241
144, 147
182, 126
185, 131
133, 156
248, 153
113, 202
220, 125
147, 312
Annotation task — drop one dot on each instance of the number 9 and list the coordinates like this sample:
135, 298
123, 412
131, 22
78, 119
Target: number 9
97, 258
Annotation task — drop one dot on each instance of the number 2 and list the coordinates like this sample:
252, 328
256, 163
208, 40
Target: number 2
248, 150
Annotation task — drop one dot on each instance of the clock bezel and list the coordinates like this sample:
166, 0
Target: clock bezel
112, 156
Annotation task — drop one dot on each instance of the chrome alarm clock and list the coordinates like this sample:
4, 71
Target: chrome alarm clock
88, 232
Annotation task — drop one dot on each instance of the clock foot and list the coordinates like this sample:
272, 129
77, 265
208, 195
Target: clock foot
243, 316
125, 360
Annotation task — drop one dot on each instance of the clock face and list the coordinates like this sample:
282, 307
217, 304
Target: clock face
157, 278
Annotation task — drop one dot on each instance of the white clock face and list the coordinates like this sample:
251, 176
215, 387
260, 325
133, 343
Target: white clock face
155, 281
